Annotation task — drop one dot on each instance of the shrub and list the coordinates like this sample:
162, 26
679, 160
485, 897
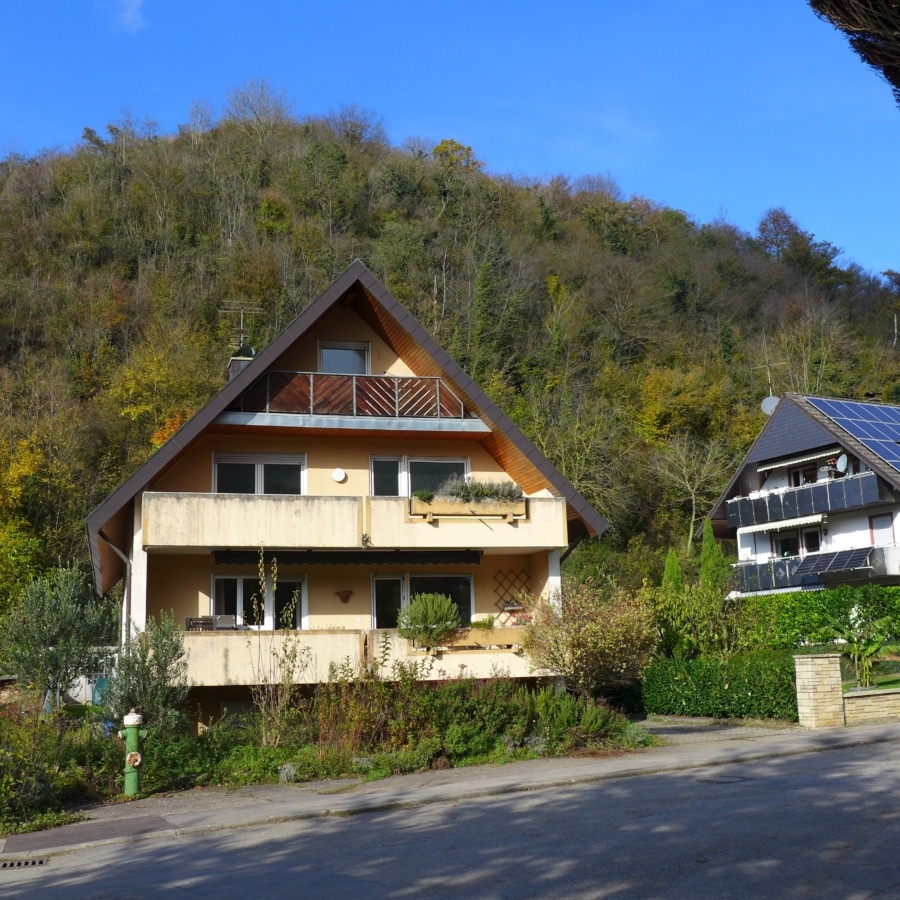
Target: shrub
759, 685
594, 638
56, 632
151, 676
428, 620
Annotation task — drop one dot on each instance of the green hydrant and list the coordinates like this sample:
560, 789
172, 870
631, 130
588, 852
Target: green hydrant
133, 734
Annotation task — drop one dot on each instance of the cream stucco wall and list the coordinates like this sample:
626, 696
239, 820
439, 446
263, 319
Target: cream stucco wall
342, 324
181, 585
193, 471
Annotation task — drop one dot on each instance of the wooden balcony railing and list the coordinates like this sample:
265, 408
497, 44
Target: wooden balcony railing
318, 394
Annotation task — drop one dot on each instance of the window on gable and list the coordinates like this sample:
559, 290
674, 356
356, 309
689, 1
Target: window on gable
806, 475
344, 357
245, 474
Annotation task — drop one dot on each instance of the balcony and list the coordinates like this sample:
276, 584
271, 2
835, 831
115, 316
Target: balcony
196, 522
821, 497
228, 658
379, 396
826, 568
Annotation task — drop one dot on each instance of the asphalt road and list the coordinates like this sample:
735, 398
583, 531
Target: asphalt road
817, 825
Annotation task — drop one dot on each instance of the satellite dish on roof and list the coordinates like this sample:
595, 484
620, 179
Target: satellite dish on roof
769, 404
841, 464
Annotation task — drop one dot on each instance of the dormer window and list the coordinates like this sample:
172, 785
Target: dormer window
344, 357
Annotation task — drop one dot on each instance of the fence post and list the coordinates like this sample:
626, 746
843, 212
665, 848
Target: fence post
820, 697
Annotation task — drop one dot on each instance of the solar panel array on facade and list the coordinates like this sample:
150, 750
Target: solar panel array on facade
841, 561
875, 426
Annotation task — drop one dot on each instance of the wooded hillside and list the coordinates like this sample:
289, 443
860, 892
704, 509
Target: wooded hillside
627, 340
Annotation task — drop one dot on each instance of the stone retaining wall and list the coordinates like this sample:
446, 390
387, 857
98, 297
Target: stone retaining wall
869, 707
822, 703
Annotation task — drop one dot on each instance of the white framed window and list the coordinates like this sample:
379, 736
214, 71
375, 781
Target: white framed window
387, 476
401, 476
245, 473
345, 357
391, 593
284, 606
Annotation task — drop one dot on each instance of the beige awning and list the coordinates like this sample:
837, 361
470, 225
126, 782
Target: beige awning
783, 524
798, 460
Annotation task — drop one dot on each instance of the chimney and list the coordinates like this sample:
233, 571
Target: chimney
242, 357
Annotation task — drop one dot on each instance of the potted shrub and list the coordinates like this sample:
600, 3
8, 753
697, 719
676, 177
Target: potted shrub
429, 620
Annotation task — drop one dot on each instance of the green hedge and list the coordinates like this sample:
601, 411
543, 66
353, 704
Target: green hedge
758, 685
783, 621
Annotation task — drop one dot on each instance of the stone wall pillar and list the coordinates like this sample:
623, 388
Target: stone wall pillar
820, 698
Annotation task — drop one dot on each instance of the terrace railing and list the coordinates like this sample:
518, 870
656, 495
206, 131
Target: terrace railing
319, 394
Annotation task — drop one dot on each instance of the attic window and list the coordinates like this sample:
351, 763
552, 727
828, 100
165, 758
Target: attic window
344, 357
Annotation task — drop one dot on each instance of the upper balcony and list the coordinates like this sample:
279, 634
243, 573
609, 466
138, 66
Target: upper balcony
197, 522
819, 497
362, 401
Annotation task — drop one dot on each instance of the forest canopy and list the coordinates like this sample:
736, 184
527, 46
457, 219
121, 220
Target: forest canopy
630, 342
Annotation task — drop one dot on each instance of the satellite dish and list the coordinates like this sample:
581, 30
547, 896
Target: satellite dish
841, 464
769, 404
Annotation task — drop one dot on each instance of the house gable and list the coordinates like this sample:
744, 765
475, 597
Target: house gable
357, 307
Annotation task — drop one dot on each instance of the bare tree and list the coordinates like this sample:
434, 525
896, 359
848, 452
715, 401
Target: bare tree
257, 108
695, 472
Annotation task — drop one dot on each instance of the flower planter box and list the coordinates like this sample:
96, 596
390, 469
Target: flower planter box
467, 509
482, 638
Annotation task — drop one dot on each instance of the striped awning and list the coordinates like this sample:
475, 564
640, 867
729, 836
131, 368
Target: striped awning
799, 460
783, 525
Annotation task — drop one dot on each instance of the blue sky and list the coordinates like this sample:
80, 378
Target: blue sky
720, 108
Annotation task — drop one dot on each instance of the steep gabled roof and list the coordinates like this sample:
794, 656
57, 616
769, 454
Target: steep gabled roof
799, 425
357, 287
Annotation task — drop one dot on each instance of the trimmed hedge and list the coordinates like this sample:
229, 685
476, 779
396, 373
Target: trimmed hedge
758, 685
783, 621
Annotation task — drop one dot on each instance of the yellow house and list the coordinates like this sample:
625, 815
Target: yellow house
311, 455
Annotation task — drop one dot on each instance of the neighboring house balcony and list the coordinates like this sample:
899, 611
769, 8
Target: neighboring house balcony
221, 657
819, 497
201, 521
817, 569
365, 400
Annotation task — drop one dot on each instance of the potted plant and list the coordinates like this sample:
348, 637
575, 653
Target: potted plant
429, 620
461, 497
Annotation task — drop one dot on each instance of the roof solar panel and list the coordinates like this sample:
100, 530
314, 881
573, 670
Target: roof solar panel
875, 426
840, 561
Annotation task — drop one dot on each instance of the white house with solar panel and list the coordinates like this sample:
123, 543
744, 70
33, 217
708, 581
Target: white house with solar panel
814, 502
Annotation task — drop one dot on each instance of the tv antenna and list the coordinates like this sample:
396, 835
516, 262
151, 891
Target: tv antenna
240, 308
771, 402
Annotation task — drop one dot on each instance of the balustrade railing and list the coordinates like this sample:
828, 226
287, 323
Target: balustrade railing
320, 394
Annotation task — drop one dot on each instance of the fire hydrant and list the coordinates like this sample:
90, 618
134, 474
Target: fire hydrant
133, 734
